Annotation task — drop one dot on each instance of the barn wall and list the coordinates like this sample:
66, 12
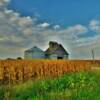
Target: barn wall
53, 56
65, 56
34, 55
27, 55
38, 55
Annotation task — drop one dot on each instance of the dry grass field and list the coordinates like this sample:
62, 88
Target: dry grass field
22, 70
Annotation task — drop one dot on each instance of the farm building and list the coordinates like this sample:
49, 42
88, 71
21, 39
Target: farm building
34, 53
55, 51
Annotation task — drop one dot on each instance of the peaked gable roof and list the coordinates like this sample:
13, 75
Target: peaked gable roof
34, 49
63, 49
57, 48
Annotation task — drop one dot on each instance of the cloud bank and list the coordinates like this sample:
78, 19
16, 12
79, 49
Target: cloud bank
18, 33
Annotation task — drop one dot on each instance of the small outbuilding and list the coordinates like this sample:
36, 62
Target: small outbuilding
56, 51
34, 53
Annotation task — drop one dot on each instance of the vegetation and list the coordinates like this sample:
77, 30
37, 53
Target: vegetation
49, 80
14, 71
71, 86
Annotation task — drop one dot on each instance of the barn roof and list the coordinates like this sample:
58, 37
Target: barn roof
34, 49
54, 47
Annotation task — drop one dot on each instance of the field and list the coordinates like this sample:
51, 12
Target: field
49, 80
20, 70
71, 86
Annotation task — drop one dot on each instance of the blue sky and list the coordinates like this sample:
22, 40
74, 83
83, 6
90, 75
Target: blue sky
64, 12
73, 23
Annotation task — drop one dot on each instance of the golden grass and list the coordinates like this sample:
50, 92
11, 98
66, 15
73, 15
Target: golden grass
22, 70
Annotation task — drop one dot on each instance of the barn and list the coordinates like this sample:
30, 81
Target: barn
56, 51
34, 53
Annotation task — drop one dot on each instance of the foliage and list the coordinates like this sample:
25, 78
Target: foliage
71, 86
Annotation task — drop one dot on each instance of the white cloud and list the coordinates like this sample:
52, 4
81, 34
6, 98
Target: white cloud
3, 3
91, 42
95, 25
44, 25
71, 33
13, 29
56, 27
24, 21
78, 29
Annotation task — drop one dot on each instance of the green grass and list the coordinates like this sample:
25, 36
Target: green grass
72, 86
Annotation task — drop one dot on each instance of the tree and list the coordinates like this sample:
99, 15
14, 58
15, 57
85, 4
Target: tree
19, 58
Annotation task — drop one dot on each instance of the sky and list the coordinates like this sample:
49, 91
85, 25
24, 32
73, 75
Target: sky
27, 23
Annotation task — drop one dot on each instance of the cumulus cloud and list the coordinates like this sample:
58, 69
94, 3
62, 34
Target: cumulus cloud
56, 27
44, 25
78, 29
3, 4
95, 25
92, 42
71, 34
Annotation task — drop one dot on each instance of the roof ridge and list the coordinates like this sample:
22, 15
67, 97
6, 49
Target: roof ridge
34, 48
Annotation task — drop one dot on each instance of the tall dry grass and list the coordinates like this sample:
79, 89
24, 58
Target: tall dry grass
16, 71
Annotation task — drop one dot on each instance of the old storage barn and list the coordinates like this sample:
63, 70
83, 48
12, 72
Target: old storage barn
34, 53
55, 51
